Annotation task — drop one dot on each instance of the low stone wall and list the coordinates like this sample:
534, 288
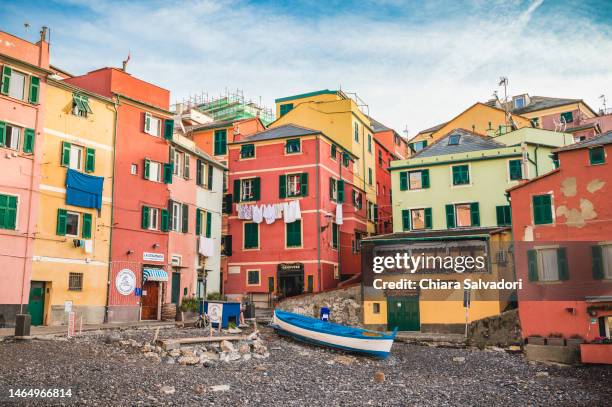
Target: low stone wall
344, 305
499, 330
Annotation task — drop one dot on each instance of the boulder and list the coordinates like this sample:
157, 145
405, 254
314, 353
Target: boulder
167, 390
188, 360
227, 346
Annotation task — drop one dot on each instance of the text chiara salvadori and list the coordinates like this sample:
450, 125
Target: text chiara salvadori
403, 262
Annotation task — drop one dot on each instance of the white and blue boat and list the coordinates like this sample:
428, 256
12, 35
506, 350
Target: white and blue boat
346, 338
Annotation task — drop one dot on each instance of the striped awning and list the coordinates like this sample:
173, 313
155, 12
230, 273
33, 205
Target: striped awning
154, 275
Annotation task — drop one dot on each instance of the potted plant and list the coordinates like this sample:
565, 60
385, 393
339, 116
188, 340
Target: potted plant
555, 339
575, 340
536, 340
597, 351
189, 308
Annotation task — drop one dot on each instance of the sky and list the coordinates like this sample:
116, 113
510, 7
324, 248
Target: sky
415, 63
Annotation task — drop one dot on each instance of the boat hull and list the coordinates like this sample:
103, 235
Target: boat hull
379, 348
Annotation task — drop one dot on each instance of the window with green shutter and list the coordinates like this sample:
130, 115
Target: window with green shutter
8, 212
80, 105
198, 226
516, 169
168, 173
475, 214
542, 209
403, 181
2, 134
532, 265
450, 216
168, 129
208, 232
87, 226
405, 219
209, 181
251, 236
357, 132
253, 277
247, 151
34, 90
335, 236
66, 154
562, 266
285, 108
461, 174
6, 79
185, 218
90, 160
220, 142
370, 176
294, 234
597, 155
345, 159
62, 216
428, 219
333, 151
28, 141
567, 117
144, 217
597, 265
504, 215
165, 220
369, 143
292, 146
340, 192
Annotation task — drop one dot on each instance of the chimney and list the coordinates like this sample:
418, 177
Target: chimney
43, 33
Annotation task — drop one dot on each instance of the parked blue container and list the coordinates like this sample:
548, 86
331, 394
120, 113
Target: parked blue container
324, 314
230, 312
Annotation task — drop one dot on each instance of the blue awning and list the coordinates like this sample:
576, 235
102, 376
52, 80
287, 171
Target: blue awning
154, 275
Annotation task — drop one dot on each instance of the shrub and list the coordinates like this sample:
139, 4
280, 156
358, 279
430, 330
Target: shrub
190, 304
215, 297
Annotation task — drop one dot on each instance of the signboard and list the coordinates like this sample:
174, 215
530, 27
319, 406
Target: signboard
138, 292
146, 256
291, 267
125, 282
67, 306
215, 312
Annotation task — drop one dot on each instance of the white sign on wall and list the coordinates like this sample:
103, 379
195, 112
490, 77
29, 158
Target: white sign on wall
125, 282
146, 256
215, 311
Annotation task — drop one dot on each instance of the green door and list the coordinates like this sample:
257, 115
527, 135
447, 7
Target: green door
176, 288
403, 313
36, 305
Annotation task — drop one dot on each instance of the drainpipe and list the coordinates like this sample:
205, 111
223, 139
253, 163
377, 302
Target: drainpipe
112, 222
318, 196
344, 195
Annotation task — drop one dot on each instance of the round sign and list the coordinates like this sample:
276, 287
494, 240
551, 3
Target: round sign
125, 282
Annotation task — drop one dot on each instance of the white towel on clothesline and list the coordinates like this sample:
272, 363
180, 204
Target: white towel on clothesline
339, 213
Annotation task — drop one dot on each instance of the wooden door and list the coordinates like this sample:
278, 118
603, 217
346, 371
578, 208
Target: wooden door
150, 300
403, 313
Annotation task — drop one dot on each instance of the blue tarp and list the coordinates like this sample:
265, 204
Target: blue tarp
83, 190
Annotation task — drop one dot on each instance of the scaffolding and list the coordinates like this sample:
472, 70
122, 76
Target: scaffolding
230, 105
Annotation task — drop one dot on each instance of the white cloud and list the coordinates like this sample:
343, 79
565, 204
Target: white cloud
411, 71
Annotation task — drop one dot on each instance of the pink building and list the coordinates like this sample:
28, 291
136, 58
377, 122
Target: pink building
24, 67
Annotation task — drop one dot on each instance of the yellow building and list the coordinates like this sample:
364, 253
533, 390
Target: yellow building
339, 116
72, 244
479, 118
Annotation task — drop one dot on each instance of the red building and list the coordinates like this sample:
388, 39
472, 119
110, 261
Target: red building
291, 256
562, 225
139, 246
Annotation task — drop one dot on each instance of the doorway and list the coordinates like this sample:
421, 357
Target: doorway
176, 288
290, 279
150, 300
403, 313
36, 305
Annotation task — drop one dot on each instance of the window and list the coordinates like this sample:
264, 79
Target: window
175, 216
203, 223
220, 142
416, 219
453, 140
246, 189
357, 132
515, 169
369, 143
76, 157
380, 158
80, 105
357, 244
253, 277
547, 264
8, 212
296, 184
519, 102
371, 211
153, 171
152, 125
535, 122
310, 283
357, 199
251, 236
418, 179
13, 134
72, 224
336, 190
417, 146
246, 193
247, 151
461, 174
370, 176
294, 234
375, 308
285, 108
462, 215
542, 209
346, 159
597, 155
177, 159
292, 146
134, 169
335, 236
504, 215
204, 174
333, 152
153, 219
567, 117
17, 85
75, 281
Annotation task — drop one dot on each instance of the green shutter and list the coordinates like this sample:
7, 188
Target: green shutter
168, 173
282, 186
456, 178
8, 212
450, 216
251, 236
34, 89
220, 142
370, 177
499, 212
516, 170
428, 218
6, 79
85, 101
256, 188
333, 152
87, 224
285, 108
236, 195
562, 267
199, 175
144, 219
294, 234
61, 222
475, 214
208, 224
406, 219
165, 220
597, 265
185, 214
65, 154
597, 155
532, 265
304, 184
369, 143
90, 162
542, 210
209, 183
340, 184
168, 129
146, 171
198, 230
335, 242
425, 178
2, 134
147, 122
461, 175
28, 141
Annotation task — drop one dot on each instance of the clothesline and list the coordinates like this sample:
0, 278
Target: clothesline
288, 211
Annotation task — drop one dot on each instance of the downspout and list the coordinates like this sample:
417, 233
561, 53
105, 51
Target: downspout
318, 196
112, 222
344, 200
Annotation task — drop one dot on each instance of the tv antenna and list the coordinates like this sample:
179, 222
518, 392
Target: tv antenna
603, 102
26, 26
406, 131
503, 81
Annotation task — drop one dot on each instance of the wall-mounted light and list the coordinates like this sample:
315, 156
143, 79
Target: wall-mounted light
130, 251
155, 245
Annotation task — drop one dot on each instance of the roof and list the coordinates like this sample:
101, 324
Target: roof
306, 95
287, 130
527, 182
599, 140
473, 232
432, 129
582, 127
378, 126
544, 102
468, 141
201, 153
